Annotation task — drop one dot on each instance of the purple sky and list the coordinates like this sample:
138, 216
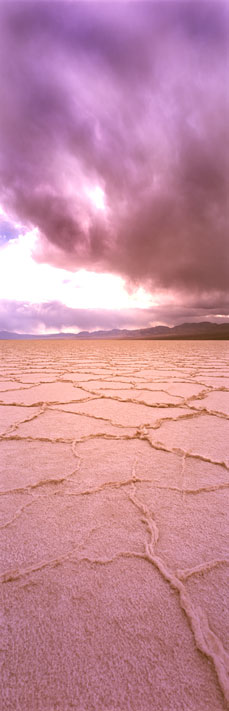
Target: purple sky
126, 102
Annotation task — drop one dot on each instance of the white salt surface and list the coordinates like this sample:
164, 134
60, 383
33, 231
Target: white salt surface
114, 526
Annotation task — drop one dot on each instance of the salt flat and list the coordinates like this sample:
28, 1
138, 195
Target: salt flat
114, 495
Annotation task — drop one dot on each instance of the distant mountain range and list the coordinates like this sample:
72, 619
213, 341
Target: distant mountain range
186, 331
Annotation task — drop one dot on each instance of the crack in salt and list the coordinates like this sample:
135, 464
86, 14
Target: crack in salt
206, 640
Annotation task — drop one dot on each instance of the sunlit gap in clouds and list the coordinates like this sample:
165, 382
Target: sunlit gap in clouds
97, 197
36, 282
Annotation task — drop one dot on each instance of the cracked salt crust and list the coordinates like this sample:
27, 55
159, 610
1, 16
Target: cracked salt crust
114, 525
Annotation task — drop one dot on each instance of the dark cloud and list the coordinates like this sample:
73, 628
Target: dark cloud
24, 317
130, 96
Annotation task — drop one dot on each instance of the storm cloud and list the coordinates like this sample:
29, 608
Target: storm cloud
130, 97
25, 317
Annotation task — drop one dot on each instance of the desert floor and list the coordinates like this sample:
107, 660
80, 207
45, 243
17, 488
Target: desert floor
114, 495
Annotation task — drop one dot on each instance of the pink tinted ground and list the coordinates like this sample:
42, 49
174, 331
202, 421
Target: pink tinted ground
114, 524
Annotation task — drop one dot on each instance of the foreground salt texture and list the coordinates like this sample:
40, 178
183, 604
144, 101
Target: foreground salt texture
114, 501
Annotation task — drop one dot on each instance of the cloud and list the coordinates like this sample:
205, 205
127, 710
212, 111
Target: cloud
132, 98
25, 317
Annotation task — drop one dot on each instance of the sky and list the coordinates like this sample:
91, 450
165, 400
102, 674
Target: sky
114, 135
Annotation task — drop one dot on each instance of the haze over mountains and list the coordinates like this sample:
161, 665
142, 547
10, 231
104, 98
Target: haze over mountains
204, 330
